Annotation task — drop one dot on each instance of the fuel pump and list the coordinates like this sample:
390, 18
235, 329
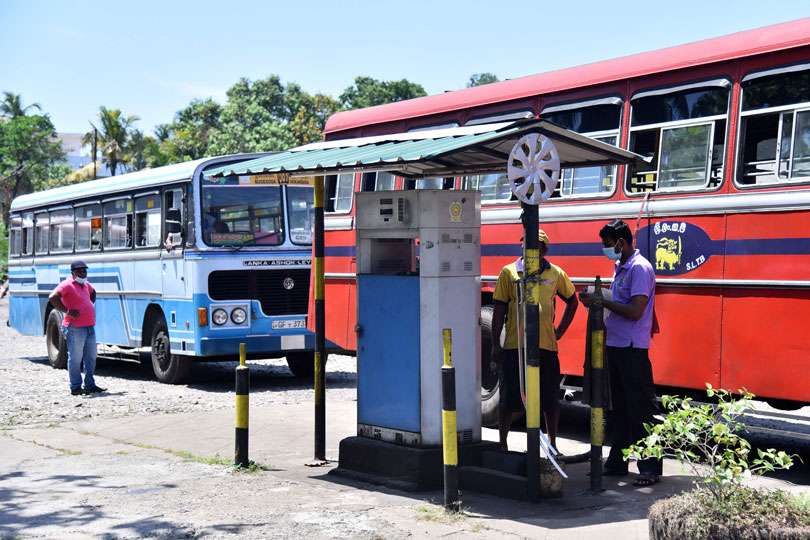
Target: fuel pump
418, 261
418, 273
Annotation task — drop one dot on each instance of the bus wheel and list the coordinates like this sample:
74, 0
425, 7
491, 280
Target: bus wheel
490, 388
55, 341
302, 364
169, 368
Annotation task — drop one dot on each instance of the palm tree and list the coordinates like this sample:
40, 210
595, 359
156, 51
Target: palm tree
136, 149
11, 106
113, 136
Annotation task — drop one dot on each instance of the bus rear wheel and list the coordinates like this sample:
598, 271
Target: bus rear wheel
169, 368
55, 341
490, 386
302, 364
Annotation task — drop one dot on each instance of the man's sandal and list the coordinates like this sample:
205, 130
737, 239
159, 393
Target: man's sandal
645, 480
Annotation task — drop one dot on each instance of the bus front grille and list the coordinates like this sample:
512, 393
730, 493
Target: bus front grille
280, 292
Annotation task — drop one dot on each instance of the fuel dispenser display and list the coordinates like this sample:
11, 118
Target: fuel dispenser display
418, 272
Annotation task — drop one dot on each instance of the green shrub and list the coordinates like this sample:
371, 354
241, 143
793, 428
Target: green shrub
705, 438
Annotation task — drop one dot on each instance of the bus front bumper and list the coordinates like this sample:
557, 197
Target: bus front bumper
256, 345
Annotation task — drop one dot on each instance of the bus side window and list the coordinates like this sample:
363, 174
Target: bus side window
683, 130
27, 240
436, 182
15, 235
377, 181
338, 192
88, 227
775, 128
147, 221
42, 225
173, 218
599, 121
493, 187
118, 224
62, 231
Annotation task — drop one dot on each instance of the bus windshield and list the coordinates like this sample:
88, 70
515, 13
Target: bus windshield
241, 215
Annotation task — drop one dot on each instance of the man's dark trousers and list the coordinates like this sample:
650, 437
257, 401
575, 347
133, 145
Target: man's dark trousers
633, 394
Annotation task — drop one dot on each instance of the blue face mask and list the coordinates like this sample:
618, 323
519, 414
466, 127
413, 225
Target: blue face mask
611, 253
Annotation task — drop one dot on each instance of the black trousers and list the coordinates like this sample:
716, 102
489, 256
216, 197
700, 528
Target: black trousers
633, 393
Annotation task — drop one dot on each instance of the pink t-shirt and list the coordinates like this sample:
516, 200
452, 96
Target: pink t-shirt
75, 296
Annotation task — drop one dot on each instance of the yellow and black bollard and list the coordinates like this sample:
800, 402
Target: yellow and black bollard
319, 378
531, 272
596, 356
449, 431
242, 409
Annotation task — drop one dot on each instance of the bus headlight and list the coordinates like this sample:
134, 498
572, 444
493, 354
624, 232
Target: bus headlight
238, 316
219, 317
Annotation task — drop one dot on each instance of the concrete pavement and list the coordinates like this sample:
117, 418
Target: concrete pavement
166, 476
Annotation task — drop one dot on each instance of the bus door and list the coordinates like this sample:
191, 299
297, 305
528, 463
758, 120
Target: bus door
173, 275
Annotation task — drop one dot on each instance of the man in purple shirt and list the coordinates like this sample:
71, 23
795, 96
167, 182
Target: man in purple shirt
628, 325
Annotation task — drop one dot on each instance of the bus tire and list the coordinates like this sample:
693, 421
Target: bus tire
55, 340
169, 368
302, 364
490, 386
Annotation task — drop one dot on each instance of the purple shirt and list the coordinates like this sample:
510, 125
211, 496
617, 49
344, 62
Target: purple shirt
633, 278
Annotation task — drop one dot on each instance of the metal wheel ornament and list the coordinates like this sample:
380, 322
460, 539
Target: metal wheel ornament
534, 168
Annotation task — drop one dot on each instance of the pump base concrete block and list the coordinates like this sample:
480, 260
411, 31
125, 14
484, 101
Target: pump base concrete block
400, 467
503, 474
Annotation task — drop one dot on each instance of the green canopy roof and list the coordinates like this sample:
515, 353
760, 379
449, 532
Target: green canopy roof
444, 152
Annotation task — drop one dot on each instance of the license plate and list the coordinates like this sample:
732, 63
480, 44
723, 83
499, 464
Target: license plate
285, 325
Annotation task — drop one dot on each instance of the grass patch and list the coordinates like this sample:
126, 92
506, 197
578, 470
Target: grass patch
437, 514
215, 460
252, 468
747, 513
63, 451
205, 460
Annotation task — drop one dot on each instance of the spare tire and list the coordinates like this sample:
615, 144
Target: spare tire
490, 387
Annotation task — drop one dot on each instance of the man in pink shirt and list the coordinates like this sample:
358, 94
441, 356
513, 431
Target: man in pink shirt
75, 297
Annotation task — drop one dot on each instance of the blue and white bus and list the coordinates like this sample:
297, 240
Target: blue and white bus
185, 266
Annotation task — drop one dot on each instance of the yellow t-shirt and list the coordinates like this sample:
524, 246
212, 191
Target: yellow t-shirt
553, 281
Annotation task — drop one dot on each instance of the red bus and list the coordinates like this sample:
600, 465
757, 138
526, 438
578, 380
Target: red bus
722, 210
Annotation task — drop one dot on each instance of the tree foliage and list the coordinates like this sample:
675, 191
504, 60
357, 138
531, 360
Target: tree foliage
114, 133
12, 107
259, 115
28, 152
479, 79
57, 175
268, 115
3, 249
191, 131
368, 92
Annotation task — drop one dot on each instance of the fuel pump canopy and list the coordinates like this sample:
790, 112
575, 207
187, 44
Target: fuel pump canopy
441, 152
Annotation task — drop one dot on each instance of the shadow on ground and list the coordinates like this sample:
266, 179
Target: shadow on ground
219, 376
23, 511
619, 502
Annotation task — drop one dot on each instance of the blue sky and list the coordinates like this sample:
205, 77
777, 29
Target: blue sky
150, 58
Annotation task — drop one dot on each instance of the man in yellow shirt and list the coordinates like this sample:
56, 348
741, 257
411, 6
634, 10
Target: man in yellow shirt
553, 282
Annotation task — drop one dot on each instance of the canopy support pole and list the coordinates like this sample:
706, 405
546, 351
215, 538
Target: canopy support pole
319, 377
531, 278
